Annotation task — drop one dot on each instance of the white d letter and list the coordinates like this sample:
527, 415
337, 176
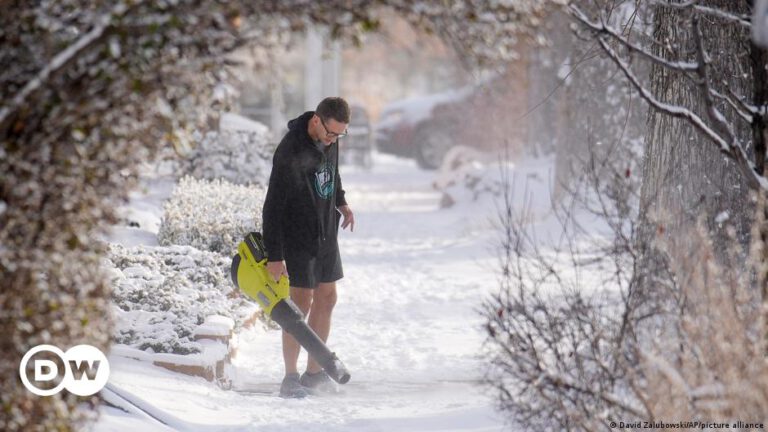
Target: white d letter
53, 370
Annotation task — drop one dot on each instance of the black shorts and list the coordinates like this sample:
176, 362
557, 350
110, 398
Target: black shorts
306, 271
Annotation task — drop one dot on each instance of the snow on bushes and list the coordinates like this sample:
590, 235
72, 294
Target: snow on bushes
465, 176
468, 177
162, 294
210, 215
240, 152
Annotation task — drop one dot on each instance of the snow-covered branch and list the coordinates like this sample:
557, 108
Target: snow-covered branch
719, 133
744, 110
742, 20
703, 71
734, 148
602, 28
673, 110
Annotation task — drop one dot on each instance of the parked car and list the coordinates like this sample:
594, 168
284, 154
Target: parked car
425, 128
406, 128
358, 145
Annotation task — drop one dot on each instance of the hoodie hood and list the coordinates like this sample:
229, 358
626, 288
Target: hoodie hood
299, 124
298, 128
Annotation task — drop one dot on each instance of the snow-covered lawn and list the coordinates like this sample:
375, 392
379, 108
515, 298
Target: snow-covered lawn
406, 325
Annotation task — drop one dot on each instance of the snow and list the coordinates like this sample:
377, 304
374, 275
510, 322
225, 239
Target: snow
211, 215
162, 294
234, 122
240, 152
211, 352
215, 325
143, 212
121, 350
180, 360
722, 217
406, 325
565, 70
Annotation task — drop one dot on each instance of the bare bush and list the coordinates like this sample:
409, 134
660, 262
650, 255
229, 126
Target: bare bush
710, 363
560, 327
586, 332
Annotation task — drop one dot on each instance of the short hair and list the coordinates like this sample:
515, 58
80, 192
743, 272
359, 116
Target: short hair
333, 108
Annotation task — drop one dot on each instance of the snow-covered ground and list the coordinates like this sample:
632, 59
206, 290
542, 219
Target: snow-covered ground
406, 325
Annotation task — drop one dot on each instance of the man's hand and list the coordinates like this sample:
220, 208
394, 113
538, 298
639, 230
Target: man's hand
349, 218
276, 269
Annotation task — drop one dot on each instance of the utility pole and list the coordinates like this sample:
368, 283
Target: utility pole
322, 69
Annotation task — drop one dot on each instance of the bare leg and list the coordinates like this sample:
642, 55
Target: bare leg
320, 316
303, 299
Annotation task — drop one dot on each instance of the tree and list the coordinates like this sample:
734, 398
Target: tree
707, 79
90, 89
706, 145
682, 307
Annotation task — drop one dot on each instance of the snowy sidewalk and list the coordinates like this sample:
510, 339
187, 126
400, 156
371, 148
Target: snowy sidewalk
406, 325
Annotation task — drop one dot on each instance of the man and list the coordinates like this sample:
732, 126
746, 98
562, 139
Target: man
301, 216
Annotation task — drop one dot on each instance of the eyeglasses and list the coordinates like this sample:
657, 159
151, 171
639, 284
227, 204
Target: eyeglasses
330, 134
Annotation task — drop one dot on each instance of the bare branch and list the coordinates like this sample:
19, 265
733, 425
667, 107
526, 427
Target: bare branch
703, 70
741, 20
739, 106
727, 144
672, 110
601, 28
735, 150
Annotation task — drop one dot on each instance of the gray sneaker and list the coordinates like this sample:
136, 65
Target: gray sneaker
319, 383
291, 388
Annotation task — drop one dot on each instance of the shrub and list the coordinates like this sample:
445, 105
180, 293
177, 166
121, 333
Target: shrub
240, 152
210, 215
162, 293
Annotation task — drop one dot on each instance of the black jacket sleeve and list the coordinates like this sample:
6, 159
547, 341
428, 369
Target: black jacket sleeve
273, 213
340, 200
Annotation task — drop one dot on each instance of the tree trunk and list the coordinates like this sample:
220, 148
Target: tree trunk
685, 176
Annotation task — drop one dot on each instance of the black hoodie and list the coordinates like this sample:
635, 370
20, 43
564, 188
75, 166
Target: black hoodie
304, 190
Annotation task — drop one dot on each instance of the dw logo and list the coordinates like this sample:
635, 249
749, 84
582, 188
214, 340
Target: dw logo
86, 370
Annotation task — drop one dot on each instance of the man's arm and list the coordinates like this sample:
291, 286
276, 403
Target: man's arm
340, 198
349, 218
341, 204
275, 205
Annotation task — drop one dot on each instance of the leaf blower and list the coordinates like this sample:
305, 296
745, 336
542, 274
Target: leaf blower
249, 273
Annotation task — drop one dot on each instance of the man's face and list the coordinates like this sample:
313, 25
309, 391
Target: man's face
329, 130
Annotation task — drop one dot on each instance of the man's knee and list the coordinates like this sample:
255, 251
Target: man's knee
303, 298
325, 296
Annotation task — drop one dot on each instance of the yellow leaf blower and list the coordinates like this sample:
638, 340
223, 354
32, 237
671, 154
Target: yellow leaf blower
249, 273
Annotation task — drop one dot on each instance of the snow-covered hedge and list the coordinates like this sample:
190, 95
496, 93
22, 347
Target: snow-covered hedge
466, 176
161, 294
241, 152
210, 215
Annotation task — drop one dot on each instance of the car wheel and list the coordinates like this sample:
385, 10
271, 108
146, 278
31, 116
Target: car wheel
432, 143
